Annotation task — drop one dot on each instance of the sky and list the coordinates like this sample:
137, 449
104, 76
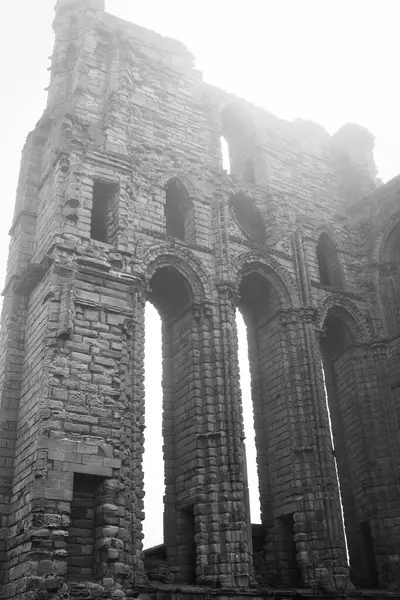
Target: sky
330, 61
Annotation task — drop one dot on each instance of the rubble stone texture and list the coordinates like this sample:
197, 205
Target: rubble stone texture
122, 199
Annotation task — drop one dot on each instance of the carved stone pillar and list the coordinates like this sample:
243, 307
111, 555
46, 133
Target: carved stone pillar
236, 563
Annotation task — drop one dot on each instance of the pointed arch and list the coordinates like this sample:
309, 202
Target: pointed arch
282, 282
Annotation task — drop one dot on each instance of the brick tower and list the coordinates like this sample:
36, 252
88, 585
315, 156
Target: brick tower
122, 199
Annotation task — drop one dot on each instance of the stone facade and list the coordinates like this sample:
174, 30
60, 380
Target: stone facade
122, 199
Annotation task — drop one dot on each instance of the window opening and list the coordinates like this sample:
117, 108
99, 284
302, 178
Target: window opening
104, 221
81, 535
248, 420
179, 213
238, 143
249, 217
338, 370
226, 163
186, 541
172, 295
287, 547
153, 463
328, 262
370, 570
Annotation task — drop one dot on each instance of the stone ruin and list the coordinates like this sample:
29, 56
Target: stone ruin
123, 199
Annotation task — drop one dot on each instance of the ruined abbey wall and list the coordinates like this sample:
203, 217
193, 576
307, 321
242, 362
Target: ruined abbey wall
122, 199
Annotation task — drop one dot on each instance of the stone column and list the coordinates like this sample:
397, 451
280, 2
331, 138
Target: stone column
236, 567
319, 524
323, 504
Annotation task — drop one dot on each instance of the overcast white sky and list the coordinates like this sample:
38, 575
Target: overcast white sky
331, 61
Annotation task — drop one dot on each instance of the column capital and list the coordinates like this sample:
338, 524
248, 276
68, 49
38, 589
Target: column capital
229, 290
308, 314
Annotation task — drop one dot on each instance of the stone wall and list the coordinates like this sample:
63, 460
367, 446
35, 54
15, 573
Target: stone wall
122, 199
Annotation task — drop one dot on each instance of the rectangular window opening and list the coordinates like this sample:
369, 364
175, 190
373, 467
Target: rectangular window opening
369, 565
82, 531
288, 552
104, 213
187, 545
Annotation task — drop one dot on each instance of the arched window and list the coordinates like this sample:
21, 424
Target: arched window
274, 546
239, 133
341, 366
328, 262
179, 212
248, 216
172, 296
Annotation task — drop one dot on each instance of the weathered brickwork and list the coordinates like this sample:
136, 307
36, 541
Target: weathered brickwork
122, 199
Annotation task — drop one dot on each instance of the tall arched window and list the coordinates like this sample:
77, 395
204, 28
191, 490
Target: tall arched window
248, 216
328, 262
274, 546
179, 212
341, 366
172, 296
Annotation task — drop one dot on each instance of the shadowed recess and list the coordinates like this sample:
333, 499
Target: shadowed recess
257, 298
177, 211
248, 216
328, 262
170, 292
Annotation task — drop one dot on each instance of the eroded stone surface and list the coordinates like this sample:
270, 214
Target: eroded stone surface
299, 236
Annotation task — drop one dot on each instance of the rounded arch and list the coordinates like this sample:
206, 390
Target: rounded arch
189, 189
325, 228
188, 265
282, 282
329, 265
349, 313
